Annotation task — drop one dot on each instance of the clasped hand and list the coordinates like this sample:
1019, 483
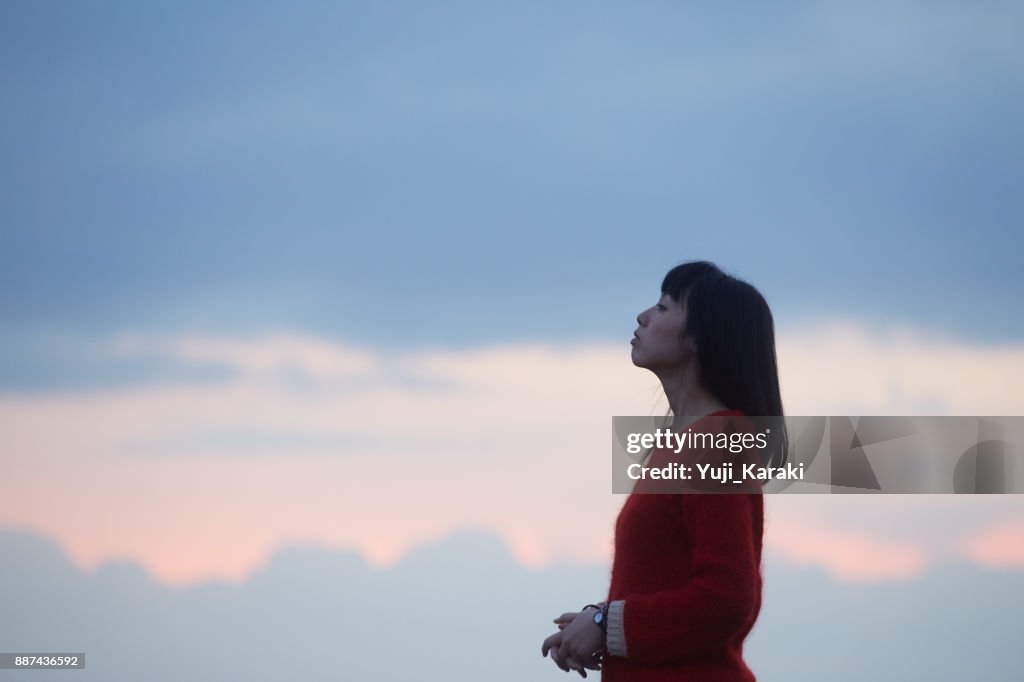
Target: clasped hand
578, 644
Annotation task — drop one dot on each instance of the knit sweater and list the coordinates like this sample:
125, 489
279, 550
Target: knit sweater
685, 585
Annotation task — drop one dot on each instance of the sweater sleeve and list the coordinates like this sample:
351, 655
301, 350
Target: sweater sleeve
719, 601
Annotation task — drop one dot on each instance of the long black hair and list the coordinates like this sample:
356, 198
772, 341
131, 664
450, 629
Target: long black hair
733, 329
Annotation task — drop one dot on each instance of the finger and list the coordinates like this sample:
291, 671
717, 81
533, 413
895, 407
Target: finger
553, 652
574, 664
556, 656
591, 662
567, 617
569, 656
552, 641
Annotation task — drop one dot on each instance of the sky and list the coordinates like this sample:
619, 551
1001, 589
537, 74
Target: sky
360, 278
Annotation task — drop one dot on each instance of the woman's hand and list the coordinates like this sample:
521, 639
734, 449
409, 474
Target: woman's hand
578, 644
565, 619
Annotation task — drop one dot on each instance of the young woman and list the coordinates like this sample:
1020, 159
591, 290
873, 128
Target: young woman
686, 576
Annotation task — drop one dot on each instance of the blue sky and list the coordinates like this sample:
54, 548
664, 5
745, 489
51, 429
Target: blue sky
400, 174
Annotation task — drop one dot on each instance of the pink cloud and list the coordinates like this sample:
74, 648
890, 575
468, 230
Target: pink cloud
378, 452
848, 556
999, 546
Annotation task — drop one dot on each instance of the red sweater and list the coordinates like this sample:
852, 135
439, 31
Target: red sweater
688, 569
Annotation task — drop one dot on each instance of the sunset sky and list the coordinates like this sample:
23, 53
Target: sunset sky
363, 276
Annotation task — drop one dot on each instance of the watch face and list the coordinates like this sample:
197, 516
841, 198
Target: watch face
598, 617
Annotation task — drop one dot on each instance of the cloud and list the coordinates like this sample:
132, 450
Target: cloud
846, 556
432, 603
321, 440
843, 366
999, 546
275, 353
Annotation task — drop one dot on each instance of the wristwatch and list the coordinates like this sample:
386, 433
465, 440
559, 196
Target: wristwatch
601, 616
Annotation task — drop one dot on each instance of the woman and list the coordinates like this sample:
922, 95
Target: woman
686, 576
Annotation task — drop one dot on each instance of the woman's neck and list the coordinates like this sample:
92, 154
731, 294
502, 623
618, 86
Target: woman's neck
689, 400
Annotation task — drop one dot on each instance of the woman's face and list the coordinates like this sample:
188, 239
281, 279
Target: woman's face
656, 342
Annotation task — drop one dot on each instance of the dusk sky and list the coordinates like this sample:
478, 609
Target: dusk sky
360, 278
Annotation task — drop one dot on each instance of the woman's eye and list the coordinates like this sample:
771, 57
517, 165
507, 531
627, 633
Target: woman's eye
661, 307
